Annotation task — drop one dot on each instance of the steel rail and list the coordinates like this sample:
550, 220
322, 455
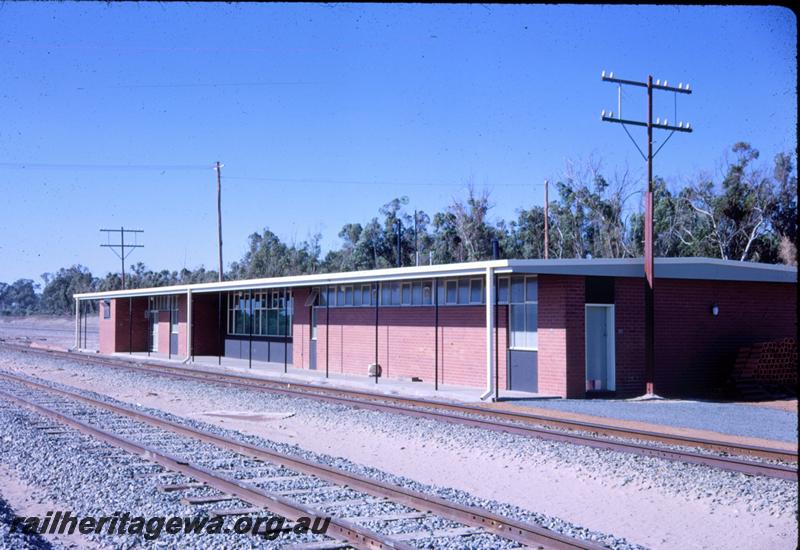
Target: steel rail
356, 535
519, 423
521, 532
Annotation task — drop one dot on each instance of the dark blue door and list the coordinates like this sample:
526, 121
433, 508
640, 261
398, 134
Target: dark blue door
522, 370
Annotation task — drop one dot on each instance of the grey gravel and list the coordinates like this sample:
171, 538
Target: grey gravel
17, 539
488, 541
687, 481
728, 418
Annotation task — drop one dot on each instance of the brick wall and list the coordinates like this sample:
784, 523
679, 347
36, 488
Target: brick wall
629, 336
163, 332
107, 328
696, 351
406, 342
301, 333
114, 332
205, 318
182, 326
561, 365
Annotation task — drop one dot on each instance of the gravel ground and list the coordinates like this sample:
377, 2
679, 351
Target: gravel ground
757, 505
225, 459
693, 481
728, 418
90, 478
18, 540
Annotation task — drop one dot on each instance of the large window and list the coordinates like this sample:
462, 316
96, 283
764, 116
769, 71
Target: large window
461, 292
399, 293
523, 312
407, 293
166, 303
260, 313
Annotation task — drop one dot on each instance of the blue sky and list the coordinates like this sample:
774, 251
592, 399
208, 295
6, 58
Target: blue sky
322, 113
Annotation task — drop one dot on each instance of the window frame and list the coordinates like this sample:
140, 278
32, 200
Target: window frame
256, 308
525, 304
472, 282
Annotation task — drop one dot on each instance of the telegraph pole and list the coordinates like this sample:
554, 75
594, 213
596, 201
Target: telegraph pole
399, 243
649, 268
218, 168
122, 254
416, 241
546, 222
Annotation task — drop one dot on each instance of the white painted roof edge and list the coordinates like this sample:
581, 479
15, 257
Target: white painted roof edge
669, 268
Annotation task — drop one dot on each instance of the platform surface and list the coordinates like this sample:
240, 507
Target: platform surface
736, 419
734, 422
389, 386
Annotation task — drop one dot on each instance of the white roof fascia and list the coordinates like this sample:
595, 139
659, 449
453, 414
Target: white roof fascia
317, 279
665, 268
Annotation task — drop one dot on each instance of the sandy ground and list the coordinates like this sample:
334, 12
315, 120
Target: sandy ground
26, 501
643, 515
47, 330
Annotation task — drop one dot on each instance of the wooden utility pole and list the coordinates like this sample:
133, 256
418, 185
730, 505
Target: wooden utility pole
649, 257
546, 222
122, 254
218, 168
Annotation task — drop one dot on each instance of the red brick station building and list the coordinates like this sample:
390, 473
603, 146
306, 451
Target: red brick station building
566, 328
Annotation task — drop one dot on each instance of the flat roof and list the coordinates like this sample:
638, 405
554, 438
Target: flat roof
666, 268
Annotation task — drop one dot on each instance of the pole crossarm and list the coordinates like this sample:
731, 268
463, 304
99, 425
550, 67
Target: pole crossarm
125, 249
678, 90
656, 126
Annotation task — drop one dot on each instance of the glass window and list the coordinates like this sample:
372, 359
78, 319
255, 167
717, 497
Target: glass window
173, 314
475, 291
463, 291
322, 297
405, 297
517, 318
524, 316
272, 321
259, 312
531, 289
386, 294
427, 293
502, 290
517, 290
365, 295
452, 292
395, 294
531, 321
348, 295
340, 296
283, 323
357, 297
107, 309
416, 294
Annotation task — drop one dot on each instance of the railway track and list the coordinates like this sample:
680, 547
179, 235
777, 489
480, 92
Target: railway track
717, 454
308, 489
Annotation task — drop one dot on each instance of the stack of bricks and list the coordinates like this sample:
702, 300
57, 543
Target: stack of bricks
772, 362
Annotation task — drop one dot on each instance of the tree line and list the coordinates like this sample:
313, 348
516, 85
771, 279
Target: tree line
746, 212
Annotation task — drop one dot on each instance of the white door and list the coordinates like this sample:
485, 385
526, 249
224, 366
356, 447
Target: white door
600, 368
154, 331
